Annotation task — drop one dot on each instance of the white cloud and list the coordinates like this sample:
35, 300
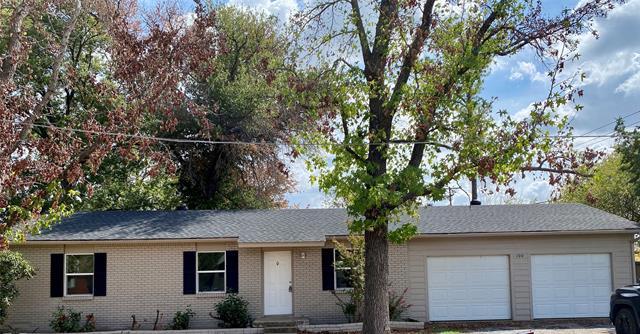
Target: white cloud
282, 9
563, 110
498, 64
612, 66
633, 82
525, 69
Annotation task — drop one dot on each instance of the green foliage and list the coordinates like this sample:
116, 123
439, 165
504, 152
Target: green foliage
233, 311
611, 188
13, 267
69, 321
244, 96
181, 319
133, 185
408, 121
629, 149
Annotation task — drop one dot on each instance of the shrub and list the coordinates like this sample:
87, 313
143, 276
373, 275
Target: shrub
12, 268
397, 305
233, 312
68, 321
181, 319
352, 257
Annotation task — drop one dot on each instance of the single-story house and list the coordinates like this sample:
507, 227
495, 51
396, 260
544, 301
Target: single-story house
518, 262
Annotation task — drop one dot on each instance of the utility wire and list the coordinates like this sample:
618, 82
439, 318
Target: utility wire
607, 137
612, 122
603, 126
235, 142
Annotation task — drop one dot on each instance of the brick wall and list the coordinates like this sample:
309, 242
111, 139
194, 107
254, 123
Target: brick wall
141, 278
321, 306
145, 277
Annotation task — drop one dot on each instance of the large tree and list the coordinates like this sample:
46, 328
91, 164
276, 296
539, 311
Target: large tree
408, 122
80, 80
246, 100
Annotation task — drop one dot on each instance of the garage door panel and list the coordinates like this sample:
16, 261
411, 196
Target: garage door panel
571, 285
475, 288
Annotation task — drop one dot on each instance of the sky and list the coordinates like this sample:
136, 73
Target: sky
611, 90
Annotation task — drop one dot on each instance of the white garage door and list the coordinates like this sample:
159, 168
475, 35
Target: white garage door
569, 286
468, 288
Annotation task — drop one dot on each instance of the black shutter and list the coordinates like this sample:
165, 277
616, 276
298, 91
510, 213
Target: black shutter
232, 271
57, 275
189, 273
100, 274
327, 269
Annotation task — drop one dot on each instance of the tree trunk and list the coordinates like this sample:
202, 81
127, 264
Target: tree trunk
376, 267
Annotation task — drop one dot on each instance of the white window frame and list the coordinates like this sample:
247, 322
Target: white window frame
335, 275
93, 277
198, 272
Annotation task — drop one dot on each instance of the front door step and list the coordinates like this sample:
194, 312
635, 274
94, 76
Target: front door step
280, 324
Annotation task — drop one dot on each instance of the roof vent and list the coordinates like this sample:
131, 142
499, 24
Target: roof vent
474, 193
182, 207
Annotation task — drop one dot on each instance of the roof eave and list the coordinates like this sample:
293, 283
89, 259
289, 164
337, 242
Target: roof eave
527, 233
124, 241
279, 244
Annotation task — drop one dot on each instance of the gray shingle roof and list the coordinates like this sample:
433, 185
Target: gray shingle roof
300, 225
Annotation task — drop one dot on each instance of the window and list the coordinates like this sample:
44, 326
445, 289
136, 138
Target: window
342, 274
78, 274
211, 272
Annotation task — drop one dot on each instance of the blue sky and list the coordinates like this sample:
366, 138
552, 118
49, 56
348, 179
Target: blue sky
612, 87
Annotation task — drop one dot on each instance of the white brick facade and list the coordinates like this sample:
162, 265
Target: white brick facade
145, 277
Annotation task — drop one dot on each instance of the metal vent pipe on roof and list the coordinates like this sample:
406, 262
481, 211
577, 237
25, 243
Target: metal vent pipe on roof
474, 192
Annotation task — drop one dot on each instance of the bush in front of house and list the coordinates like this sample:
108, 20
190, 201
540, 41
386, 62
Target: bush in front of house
69, 321
233, 311
182, 319
13, 267
397, 305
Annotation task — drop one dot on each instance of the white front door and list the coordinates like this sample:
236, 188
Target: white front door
571, 285
468, 288
277, 283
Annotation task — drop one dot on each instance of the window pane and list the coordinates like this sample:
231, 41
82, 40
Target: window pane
211, 282
210, 261
80, 285
343, 279
338, 257
79, 264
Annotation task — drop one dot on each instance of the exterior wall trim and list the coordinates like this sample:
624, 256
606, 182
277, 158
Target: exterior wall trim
121, 241
520, 234
280, 244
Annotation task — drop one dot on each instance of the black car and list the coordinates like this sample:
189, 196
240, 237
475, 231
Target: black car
624, 308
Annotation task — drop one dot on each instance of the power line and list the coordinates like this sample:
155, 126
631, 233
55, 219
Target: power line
603, 126
612, 122
611, 135
237, 142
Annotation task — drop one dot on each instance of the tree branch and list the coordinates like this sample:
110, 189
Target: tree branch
422, 32
362, 32
554, 170
345, 131
9, 63
52, 86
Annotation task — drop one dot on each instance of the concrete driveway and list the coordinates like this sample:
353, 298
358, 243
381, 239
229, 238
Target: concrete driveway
591, 330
